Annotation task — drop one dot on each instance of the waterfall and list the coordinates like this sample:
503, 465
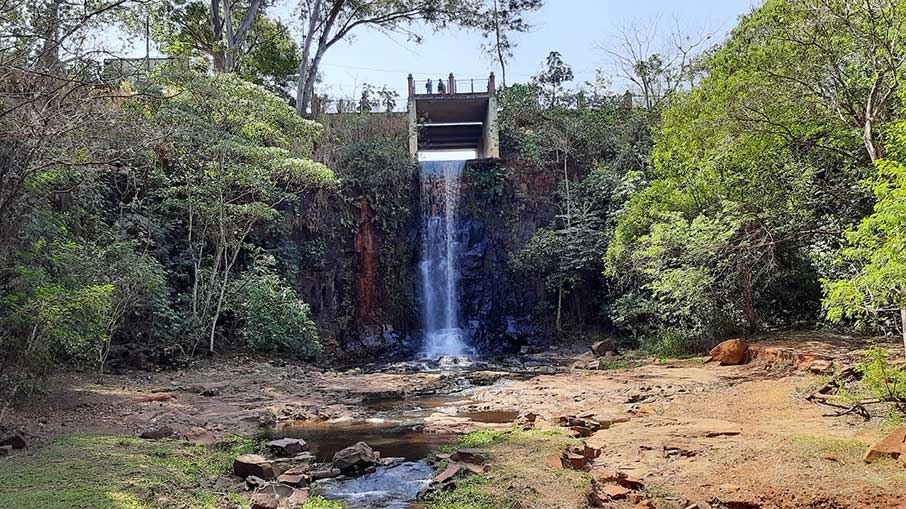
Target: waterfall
439, 264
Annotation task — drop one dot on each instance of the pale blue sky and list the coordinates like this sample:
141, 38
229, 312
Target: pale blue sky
578, 29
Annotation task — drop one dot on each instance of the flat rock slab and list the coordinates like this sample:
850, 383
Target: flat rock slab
253, 464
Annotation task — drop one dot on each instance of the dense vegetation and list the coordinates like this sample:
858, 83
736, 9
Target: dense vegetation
191, 208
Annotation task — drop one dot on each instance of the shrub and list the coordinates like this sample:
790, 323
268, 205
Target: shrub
273, 316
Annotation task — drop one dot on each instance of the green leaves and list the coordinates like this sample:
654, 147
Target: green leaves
272, 315
876, 248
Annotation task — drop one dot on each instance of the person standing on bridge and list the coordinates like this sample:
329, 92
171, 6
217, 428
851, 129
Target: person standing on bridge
441, 88
429, 87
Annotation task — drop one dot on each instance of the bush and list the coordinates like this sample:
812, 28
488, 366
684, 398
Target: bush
273, 316
671, 343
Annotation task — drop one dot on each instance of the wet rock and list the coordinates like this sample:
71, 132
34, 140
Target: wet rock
254, 482
13, 440
893, 445
157, 433
287, 446
356, 459
253, 464
325, 473
600, 348
730, 352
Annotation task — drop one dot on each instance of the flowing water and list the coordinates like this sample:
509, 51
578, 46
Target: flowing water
439, 265
387, 488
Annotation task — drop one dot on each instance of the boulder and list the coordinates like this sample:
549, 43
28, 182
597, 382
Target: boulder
473, 456
253, 464
615, 491
13, 440
298, 498
287, 446
292, 479
271, 496
573, 460
254, 482
730, 352
6, 450
355, 459
157, 433
893, 445
600, 348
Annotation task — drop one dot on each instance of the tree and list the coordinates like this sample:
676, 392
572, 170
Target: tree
551, 80
503, 18
328, 22
842, 56
236, 153
260, 48
754, 172
656, 69
876, 248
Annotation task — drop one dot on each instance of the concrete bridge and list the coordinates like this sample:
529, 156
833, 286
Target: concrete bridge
463, 117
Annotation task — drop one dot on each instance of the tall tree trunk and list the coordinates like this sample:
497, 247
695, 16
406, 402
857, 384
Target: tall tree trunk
903, 324
871, 108
309, 89
560, 307
569, 207
217, 52
499, 48
50, 51
313, 17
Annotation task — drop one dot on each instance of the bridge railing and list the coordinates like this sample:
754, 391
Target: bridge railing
452, 86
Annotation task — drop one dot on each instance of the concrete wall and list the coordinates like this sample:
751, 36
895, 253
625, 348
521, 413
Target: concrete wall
490, 141
413, 128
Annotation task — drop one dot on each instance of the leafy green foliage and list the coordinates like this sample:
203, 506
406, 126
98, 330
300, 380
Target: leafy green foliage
753, 173
272, 315
880, 378
876, 250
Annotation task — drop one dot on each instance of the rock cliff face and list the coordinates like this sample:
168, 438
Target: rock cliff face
500, 209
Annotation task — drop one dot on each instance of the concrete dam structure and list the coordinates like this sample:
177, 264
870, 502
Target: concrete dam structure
463, 116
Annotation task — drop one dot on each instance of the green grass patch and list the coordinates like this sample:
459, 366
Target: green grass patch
470, 493
524, 465
100, 472
844, 448
322, 503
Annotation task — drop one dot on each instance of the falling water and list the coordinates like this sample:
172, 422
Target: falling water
440, 259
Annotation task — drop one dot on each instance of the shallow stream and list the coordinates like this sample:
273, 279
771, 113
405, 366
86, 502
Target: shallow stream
395, 429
